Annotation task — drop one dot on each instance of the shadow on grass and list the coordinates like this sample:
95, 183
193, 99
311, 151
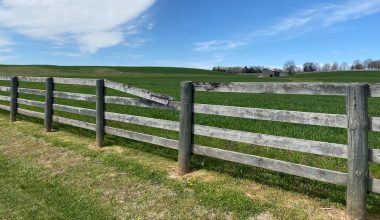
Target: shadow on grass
316, 189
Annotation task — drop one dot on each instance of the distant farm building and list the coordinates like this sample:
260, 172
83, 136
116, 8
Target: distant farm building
270, 73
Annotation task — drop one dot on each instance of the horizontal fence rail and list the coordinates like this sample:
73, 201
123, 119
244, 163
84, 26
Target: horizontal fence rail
4, 89
139, 92
5, 107
330, 120
74, 96
275, 165
334, 89
5, 98
285, 143
5, 78
357, 105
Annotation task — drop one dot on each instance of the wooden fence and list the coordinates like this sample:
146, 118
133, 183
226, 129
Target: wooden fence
357, 122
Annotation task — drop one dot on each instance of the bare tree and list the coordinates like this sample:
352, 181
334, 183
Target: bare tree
376, 64
326, 67
317, 67
367, 64
357, 65
290, 67
334, 66
344, 66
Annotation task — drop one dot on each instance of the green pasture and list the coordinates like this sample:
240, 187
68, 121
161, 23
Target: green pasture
167, 81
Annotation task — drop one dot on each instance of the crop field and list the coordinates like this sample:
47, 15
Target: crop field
219, 189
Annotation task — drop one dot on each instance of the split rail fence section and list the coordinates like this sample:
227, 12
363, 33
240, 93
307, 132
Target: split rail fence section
357, 122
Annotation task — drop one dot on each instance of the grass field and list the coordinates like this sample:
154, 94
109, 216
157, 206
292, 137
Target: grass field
221, 189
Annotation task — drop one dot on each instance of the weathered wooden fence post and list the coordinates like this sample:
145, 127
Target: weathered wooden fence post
14, 96
49, 88
357, 177
186, 128
100, 111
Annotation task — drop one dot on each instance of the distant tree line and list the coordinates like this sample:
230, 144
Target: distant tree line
291, 68
238, 69
368, 64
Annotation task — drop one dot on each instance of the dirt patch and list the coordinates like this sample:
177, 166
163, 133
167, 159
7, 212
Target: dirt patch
59, 161
263, 216
114, 149
201, 175
336, 214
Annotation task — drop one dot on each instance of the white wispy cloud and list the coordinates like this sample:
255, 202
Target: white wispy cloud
316, 17
6, 50
6, 58
5, 41
91, 24
64, 53
321, 16
213, 45
124, 56
150, 26
208, 63
136, 42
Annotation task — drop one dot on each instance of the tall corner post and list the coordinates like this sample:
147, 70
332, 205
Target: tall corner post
100, 112
49, 89
14, 97
186, 128
357, 177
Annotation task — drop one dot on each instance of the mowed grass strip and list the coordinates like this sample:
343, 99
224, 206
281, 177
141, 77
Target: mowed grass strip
28, 193
52, 172
123, 188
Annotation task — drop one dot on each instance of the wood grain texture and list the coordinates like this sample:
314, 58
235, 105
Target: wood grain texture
301, 88
357, 161
5, 98
75, 96
141, 102
169, 143
5, 78
374, 156
31, 103
286, 143
139, 120
142, 93
5, 107
14, 97
313, 173
32, 79
100, 112
75, 110
49, 88
374, 124
31, 113
5, 89
275, 88
58, 119
75, 81
186, 134
374, 185
32, 91
75, 123
309, 118
374, 90
59, 107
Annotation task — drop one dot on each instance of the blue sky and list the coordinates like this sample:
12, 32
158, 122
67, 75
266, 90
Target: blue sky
193, 33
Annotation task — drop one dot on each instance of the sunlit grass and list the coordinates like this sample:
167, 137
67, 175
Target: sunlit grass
167, 81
